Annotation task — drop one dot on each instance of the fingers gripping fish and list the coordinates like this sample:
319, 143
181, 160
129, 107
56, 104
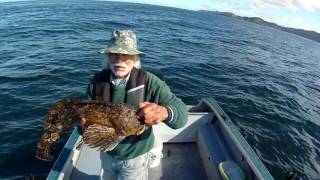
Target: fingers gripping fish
106, 124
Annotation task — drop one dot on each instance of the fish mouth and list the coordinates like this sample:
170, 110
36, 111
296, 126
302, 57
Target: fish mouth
45, 146
44, 158
141, 130
45, 153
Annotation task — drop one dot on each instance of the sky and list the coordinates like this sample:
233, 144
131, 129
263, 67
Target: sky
302, 14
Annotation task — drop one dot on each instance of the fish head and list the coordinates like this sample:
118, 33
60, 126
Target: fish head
45, 146
61, 116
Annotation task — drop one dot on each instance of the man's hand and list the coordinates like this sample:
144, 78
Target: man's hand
152, 113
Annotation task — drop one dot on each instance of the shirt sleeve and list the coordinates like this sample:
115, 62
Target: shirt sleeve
177, 110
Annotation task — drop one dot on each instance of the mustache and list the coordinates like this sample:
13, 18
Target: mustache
118, 66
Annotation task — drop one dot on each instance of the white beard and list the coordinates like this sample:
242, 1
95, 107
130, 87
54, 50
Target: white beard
119, 73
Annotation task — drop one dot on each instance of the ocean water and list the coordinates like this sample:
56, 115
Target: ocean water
268, 81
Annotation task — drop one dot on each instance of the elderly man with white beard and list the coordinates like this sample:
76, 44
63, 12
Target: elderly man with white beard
124, 82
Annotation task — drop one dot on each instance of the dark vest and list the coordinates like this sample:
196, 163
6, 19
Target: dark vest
135, 88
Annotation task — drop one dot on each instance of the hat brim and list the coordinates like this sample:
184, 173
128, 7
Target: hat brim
121, 50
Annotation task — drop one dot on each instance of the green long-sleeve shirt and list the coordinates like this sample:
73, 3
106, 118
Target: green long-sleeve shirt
157, 91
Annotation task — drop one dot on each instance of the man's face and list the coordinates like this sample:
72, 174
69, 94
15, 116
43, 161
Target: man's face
121, 64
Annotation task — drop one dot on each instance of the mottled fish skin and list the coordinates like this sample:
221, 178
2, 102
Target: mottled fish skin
107, 124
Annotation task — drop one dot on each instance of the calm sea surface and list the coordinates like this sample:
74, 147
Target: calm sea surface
268, 81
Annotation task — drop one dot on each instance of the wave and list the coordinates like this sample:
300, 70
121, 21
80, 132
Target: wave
24, 78
118, 24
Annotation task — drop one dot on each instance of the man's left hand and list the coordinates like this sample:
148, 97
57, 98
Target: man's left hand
152, 113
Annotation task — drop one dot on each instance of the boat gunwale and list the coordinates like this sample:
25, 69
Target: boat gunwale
65, 155
233, 131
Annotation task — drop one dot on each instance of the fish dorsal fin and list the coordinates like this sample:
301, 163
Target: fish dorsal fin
101, 137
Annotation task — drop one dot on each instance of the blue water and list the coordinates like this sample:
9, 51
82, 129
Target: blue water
268, 81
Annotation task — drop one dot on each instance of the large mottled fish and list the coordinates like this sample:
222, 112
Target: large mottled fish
106, 124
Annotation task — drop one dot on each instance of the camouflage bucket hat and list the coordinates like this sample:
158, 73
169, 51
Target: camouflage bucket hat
123, 42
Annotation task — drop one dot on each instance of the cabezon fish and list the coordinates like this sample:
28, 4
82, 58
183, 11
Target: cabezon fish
107, 124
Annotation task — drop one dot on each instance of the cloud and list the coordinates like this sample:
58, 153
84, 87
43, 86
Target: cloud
309, 5
296, 22
290, 13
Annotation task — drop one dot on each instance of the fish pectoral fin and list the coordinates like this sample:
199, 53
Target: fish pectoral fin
102, 137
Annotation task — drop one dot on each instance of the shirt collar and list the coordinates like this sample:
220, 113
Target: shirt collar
119, 82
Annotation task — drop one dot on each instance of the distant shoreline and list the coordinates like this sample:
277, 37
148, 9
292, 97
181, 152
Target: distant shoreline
308, 34
312, 35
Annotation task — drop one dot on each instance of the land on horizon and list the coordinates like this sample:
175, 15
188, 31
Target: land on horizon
312, 35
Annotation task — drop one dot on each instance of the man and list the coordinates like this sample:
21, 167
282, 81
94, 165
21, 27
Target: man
124, 82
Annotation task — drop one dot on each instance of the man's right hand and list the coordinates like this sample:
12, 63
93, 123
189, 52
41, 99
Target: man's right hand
152, 113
